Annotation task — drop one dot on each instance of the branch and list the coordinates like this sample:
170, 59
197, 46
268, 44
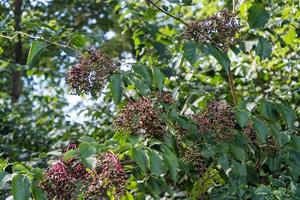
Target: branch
167, 13
233, 6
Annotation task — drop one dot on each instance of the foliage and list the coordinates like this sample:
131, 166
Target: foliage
212, 118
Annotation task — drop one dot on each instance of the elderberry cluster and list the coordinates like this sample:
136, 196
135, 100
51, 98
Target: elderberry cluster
61, 179
164, 97
91, 72
68, 179
140, 118
108, 177
218, 120
219, 30
192, 156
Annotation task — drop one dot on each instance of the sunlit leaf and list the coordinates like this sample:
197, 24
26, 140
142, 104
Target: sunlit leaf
268, 110
156, 163
36, 48
242, 117
21, 187
258, 16
261, 130
144, 71
116, 87
159, 78
87, 150
190, 52
171, 162
221, 57
264, 48
139, 156
37, 192
287, 113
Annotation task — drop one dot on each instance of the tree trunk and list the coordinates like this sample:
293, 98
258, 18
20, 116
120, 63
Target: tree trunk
17, 73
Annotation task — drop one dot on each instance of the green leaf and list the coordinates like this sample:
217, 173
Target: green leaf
153, 187
144, 71
116, 87
268, 111
21, 187
171, 162
295, 141
264, 48
95, 36
156, 163
37, 173
261, 130
170, 141
242, 117
87, 150
69, 154
85, 138
258, 16
139, 156
221, 57
128, 196
142, 87
290, 36
191, 52
19, 168
37, 192
238, 152
281, 137
159, 78
238, 168
263, 190
78, 40
3, 164
187, 2
89, 162
36, 49
70, 52
287, 113
223, 162
160, 48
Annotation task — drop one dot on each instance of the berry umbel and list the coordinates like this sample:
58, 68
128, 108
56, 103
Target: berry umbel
218, 120
140, 118
219, 30
91, 72
69, 179
109, 178
192, 156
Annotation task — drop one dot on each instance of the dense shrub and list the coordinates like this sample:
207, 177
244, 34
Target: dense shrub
186, 120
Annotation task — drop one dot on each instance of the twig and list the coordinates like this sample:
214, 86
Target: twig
127, 162
8, 37
128, 98
167, 13
39, 38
